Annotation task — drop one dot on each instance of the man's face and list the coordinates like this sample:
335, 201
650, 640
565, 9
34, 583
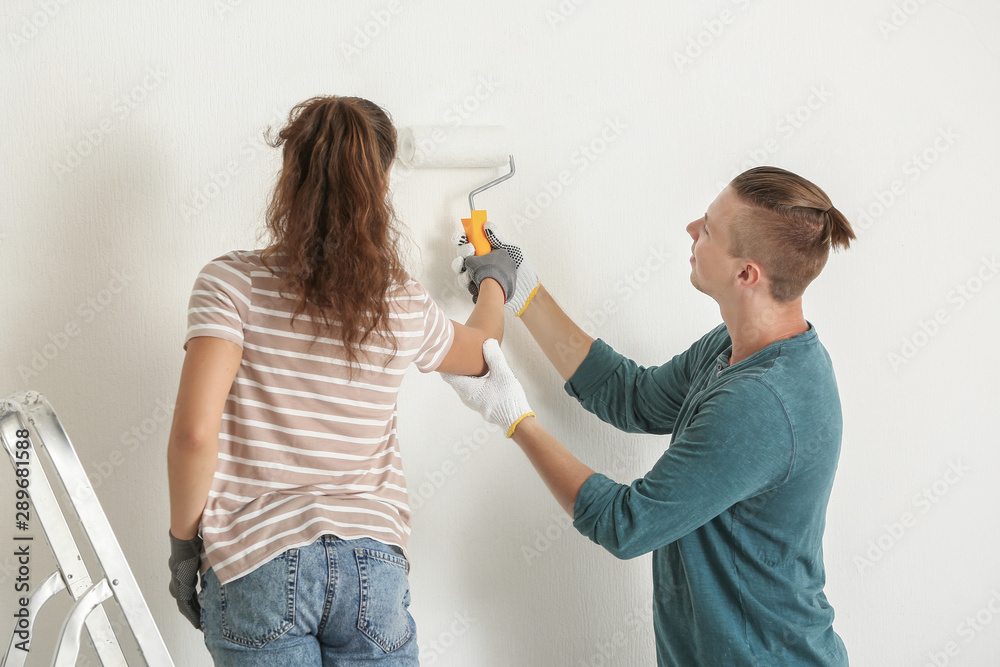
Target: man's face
713, 269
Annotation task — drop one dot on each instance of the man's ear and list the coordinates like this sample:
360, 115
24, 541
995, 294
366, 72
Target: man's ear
750, 274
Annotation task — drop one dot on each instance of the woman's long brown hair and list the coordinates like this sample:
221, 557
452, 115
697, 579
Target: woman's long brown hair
333, 229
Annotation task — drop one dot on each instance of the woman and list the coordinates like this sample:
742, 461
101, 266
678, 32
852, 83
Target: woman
286, 486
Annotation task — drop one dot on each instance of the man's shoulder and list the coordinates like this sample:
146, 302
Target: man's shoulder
800, 376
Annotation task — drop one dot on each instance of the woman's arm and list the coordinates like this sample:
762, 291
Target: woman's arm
486, 321
210, 367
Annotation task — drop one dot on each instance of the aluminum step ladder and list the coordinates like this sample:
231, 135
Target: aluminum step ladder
28, 426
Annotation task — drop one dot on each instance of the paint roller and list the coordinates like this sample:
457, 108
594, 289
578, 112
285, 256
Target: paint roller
437, 147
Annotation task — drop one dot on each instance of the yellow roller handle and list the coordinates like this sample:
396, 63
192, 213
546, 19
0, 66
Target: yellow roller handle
474, 232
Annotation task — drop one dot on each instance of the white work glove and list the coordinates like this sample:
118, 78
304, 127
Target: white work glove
497, 396
527, 278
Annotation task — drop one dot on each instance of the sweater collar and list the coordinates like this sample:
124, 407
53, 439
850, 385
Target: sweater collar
769, 350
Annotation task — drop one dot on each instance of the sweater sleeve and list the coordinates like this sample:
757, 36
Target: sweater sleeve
630, 397
740, 444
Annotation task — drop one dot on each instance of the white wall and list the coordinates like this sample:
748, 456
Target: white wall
118, 117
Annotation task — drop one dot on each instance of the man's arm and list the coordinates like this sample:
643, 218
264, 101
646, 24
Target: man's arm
616, 389
740, 444
697, 478
562, 472
564, 343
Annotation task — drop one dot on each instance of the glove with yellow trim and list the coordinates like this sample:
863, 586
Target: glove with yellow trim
527, 278
497, 396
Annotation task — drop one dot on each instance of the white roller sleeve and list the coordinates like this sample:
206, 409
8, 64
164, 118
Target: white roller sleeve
442, 147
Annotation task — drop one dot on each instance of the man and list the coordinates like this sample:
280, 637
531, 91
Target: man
734, 510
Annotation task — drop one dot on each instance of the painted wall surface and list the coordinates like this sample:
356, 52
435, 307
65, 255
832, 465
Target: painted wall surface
132, 155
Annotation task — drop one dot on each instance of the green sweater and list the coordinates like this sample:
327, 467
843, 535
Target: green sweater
734, 509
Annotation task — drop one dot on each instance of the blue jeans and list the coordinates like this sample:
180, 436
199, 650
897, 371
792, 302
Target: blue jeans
333, 602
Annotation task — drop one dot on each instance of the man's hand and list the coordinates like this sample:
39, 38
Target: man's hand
185, 561
497, 396
527, 283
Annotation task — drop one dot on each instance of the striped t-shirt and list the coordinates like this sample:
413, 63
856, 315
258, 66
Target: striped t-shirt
304, 449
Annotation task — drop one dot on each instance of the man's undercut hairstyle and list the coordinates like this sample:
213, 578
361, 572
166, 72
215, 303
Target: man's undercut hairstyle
788, 228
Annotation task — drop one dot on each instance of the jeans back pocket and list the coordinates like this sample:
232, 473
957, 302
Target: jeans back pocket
385, 596
260, 607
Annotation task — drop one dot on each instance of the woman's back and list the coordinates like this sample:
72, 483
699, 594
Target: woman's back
307, 443
286, 483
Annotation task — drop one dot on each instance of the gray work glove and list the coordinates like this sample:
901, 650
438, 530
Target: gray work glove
185, 561
496, 264
497, 396
527, 283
